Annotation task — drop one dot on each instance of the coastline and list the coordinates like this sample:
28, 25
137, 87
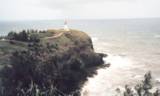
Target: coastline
120, 73
126, 43
65, 57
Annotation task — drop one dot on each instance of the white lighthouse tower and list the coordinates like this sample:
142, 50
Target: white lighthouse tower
65, 26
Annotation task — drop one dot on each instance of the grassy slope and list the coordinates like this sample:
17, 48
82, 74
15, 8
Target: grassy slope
6, 48
72, 38
65, 41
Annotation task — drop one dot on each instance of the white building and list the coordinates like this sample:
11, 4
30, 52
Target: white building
65, 26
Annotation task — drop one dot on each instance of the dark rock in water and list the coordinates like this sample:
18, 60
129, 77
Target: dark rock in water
63, 61
103, 55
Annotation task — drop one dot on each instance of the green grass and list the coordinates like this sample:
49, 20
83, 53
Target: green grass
68, 38
6, 48
45, 34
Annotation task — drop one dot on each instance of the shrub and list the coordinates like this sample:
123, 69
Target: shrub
143, 88
25, 36
41, 70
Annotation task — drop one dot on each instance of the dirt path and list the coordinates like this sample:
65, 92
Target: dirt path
55, 36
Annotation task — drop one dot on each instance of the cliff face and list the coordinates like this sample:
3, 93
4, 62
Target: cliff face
78, 46
78, 43
64, 59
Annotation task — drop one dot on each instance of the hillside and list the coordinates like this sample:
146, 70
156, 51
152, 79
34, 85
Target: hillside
64, 41
63, 59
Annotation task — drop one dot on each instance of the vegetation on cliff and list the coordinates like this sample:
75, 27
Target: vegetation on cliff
144, 88
47, 63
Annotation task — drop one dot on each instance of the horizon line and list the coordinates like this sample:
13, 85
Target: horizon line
80, 19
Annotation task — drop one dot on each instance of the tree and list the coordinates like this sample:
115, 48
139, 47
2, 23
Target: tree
12, 35
23, 36
147, 84
44, 69
142, 89
128, 91
27, 68
34, 38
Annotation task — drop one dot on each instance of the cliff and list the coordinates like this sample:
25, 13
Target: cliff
63, 59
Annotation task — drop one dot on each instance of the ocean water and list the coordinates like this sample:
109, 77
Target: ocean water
133, 46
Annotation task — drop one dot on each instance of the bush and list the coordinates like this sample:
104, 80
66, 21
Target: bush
12, 35
143, 88
25, 36
21, 36
42, 70
34, 38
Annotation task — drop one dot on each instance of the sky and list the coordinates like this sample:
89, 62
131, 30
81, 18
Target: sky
78, 9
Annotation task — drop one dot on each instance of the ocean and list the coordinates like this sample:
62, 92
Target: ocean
132, 45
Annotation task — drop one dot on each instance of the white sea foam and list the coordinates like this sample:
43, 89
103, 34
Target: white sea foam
105, 82
118, 61
94, 39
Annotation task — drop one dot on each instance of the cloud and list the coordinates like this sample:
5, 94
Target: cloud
105, 8
78, 9
85, 8
70, 4
26, 10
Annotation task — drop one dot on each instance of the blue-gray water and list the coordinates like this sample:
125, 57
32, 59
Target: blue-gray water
133, 47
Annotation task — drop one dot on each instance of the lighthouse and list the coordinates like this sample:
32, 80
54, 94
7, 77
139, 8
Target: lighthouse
65, 26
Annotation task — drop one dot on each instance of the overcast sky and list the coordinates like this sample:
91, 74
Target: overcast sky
78, 9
